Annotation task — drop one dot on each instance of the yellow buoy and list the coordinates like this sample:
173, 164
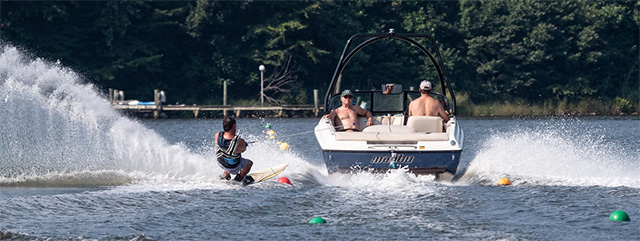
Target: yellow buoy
284, 146
272, 137
504, 181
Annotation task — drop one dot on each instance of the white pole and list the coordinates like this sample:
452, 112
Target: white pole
261, 68
224, 98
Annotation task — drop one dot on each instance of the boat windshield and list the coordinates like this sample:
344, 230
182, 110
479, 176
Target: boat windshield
375, 101
444, 101
381, 104
388, 103
362, 99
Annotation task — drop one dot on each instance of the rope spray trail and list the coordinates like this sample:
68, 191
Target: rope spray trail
302, 133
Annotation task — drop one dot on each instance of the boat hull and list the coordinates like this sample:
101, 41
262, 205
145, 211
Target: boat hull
417, 162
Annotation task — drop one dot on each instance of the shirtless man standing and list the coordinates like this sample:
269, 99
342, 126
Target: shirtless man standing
427, 105
347, 114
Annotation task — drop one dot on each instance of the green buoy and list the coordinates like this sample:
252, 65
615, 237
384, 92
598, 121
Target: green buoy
620, 216
317, 220
267, 126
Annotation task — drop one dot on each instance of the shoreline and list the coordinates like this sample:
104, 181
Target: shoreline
303, 116
465, 108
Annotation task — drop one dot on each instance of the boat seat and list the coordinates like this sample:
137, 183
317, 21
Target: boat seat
425, 124
390, 137
429, 129
398, 119
392, 120
362, 122
386, 120
389, 129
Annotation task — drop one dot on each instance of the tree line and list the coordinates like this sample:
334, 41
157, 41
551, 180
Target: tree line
527, 51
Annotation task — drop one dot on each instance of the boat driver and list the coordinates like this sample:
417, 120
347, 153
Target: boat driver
347, 114
427, 105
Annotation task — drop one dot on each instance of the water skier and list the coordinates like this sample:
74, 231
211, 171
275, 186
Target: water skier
229, 147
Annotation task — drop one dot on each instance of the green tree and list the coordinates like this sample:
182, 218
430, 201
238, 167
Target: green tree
495, 50
557, 50
441, 21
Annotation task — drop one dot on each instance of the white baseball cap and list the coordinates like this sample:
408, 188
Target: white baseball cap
425, 85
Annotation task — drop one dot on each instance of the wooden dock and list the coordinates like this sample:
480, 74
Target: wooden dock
277, 111
156, 107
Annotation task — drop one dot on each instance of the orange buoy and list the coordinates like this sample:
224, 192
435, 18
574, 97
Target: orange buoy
504, 181
284, 180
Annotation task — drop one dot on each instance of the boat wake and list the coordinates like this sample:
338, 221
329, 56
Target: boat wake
70, 179
546, 157
58, 131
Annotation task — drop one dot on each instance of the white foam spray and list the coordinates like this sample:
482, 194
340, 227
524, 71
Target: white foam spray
56, 130
554, 155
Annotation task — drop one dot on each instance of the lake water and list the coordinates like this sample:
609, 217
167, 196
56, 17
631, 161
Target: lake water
72, 168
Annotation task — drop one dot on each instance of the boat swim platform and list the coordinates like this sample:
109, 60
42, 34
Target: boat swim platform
156, 110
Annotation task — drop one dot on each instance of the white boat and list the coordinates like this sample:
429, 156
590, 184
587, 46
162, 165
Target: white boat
423, 144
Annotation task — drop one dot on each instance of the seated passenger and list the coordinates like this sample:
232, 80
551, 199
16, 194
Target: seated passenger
345, 118
427, 105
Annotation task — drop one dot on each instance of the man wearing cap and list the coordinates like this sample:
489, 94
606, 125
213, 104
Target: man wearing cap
427, 105
347, 114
